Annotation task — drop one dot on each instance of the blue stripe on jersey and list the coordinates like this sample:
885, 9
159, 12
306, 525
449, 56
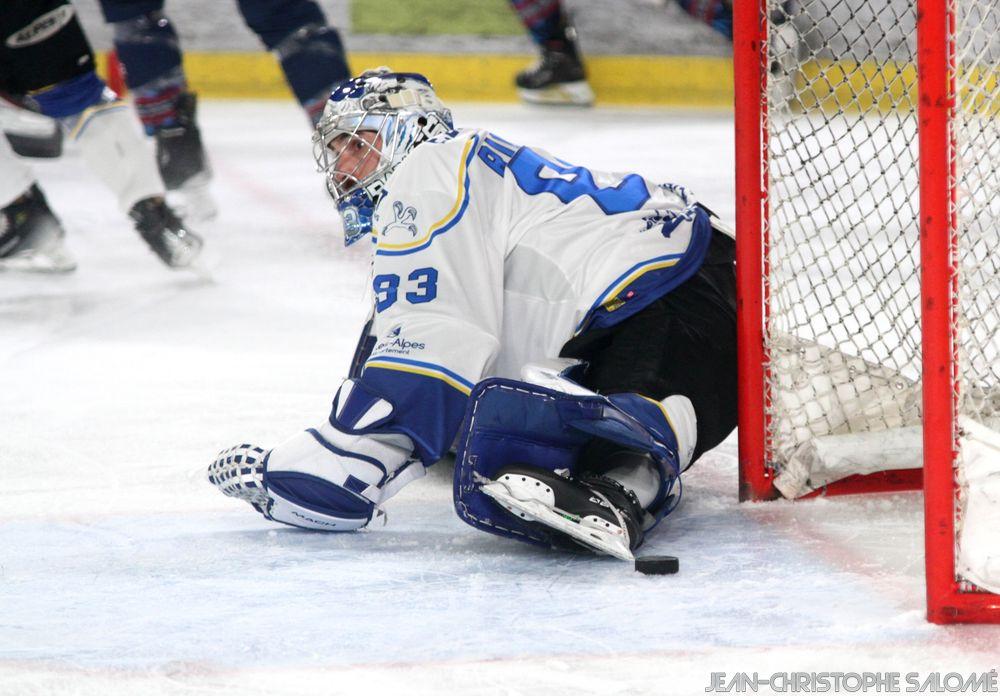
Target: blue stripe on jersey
452, 218
645, 282
427, 369
622, 282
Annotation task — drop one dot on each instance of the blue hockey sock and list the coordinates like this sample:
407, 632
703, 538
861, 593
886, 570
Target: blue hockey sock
310, 51
156, 101
544, 21
148, 48
313, 61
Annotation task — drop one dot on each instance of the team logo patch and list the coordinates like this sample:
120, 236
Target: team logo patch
668, 220
42, 28
404, 218
397, 344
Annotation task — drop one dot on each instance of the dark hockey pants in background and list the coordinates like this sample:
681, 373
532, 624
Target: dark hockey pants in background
684, 343
28, 64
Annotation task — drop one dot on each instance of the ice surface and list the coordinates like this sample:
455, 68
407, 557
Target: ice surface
122, 571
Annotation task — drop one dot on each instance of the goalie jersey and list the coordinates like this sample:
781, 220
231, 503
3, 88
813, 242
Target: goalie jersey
488, 256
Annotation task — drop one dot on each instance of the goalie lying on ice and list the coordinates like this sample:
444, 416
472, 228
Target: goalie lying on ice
571, 332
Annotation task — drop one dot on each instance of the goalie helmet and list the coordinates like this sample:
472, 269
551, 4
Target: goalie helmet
377, 118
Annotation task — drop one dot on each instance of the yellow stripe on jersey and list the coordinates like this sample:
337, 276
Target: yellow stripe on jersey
423, 371
455, 209
613, 293
88, 115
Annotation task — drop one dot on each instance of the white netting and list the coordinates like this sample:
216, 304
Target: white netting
843, 286
977, 207
977, 236
843, 235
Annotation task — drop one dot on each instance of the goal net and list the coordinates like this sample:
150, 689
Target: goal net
868, 188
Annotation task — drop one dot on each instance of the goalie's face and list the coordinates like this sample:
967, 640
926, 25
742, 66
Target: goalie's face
353, 158
370, 124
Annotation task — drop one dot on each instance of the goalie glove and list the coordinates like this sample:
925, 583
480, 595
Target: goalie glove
332, 478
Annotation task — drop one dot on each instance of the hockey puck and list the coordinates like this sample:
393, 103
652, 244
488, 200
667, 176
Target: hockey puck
657, 565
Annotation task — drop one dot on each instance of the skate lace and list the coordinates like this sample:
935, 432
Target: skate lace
600, 485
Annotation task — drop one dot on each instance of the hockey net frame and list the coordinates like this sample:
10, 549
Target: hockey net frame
950, 599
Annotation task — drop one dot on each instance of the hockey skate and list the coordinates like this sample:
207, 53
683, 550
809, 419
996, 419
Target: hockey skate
31, 237
557, 78
594, 511
165, 233
183, 162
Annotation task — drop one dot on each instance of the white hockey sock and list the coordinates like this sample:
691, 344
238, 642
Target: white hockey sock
15, 175
642, 478
109, 138
679, 412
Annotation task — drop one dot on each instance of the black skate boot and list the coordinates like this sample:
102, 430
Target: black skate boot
179, 152
166, 235
558, 77
594, 511
183, 162
31, 237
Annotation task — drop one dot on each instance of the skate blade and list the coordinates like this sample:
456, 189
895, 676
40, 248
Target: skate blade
565, 94
589, 535
53, 262
195, 260
201, 270
203, 266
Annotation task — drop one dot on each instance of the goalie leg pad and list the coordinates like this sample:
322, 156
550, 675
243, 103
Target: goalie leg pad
509, 422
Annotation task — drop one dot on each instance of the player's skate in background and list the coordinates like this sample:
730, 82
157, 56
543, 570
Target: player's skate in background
31, 237
46, 63
559, 76
572, 332
296, 31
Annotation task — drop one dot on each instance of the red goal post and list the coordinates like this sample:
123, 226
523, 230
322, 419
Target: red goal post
867, 323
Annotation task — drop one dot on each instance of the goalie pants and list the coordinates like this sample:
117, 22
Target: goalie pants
41, 44
684, 343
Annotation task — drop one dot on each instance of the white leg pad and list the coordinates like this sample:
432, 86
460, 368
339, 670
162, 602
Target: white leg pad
114, 148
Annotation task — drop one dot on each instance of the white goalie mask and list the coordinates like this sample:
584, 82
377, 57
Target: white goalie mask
370, 124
